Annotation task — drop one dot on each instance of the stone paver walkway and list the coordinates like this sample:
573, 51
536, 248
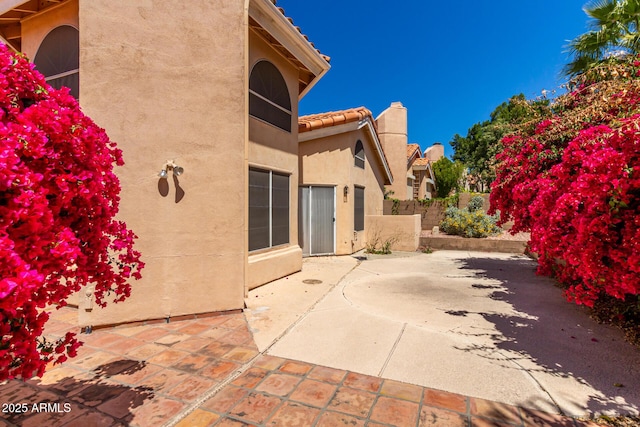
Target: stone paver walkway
208, 372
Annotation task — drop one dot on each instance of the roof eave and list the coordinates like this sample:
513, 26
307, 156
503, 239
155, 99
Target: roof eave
267, 15
368, 124
324, 132
7, 5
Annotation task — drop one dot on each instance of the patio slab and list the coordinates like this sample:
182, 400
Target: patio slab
209, 372
470, 323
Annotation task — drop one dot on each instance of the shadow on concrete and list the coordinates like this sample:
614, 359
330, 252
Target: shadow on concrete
94, 401
557, 336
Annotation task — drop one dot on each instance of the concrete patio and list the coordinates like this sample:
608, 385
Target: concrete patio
442, 339
473, 323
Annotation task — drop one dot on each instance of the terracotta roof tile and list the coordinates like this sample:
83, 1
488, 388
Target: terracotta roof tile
422, 161
281, 10
411, 149
334, 118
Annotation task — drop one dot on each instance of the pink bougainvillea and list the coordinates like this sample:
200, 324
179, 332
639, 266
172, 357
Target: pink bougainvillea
58, 199
574, 182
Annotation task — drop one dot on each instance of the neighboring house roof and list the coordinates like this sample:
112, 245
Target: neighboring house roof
333, 118
322, 125
422, 161
411, 149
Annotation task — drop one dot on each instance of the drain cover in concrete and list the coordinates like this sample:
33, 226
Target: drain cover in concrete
312, 281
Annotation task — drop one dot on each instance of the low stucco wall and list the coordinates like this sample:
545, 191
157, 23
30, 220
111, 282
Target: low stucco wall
431, 215
403, 229
468, 244
269, 266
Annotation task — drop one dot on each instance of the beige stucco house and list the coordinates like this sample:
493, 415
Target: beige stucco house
343, 171
420, 173
413, 172
207, 93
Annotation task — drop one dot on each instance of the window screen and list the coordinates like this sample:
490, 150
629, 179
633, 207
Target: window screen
269, 98
359, 156
258, 209
358, 209
58, 58
280, 209
268, 209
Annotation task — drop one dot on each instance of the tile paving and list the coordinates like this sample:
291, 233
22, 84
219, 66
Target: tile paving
208, 372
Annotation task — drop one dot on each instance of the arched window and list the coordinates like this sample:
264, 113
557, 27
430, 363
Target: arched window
359, 155
269, 98
58, 58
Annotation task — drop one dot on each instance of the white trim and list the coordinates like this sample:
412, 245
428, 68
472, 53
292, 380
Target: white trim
378, 146
269, 101
271, 245
327, 131
270, 168
310, 187
60, 75
265, 13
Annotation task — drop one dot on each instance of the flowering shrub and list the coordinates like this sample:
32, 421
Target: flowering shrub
574, 181
470, 221
58, 198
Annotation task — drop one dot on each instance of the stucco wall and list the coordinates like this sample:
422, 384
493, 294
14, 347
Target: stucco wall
392, 129
435, 152
272, 148
167, 82
403, 231
330, 161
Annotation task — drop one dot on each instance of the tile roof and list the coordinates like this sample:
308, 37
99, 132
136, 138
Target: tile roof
421, 161
333, 118
326, 58
411, 149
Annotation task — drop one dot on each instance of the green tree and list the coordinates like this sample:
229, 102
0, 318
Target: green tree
478, 149
447, 175
614, 32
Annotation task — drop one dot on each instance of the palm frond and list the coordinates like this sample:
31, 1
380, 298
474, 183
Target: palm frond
601, 11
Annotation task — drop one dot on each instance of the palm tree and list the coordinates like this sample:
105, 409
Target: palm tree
615, 26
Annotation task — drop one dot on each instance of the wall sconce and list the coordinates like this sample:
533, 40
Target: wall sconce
170, 165
346, 190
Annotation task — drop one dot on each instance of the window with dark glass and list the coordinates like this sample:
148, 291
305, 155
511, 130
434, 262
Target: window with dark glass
268, 209
58, 59
358, 208
269, 98
359, 155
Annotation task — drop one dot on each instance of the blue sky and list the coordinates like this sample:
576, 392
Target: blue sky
449, 65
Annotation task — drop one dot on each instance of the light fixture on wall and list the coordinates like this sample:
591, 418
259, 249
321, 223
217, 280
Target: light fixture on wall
346, 190
170, 165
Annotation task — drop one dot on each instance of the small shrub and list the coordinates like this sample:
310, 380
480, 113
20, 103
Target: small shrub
475, 203
379, 246
470, 221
